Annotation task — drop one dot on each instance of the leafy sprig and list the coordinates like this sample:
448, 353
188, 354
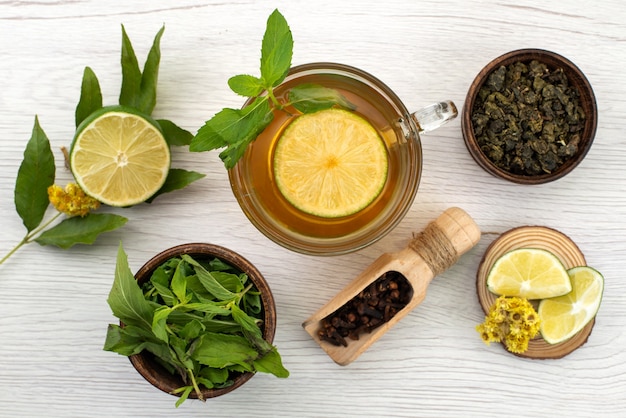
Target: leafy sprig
235, 129
37, 171
201, 321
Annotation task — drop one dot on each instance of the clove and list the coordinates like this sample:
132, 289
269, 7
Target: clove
369, 309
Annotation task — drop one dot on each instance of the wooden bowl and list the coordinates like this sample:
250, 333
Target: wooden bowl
575, 77
145, 363
544, 238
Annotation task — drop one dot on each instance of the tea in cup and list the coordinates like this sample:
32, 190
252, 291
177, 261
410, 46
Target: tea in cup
265, 180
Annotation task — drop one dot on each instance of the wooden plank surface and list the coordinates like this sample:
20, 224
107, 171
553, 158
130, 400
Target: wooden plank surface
53, 311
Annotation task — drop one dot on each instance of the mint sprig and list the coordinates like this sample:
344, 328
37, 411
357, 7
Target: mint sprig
235, 129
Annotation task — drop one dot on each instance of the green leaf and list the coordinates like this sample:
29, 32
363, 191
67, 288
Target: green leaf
126, 341
159, 323
271, 363
35, 175
179, 283
246, 85
208, 281
248, 323
80, 230
223, 128
131, 74
177, 179
255, 119
210, 308
126, 298
140, 90
174, 134
308, 98
191, 330
215, 376
276, 50
230, 281
165, 293
180, 347
148, 91
220, 350
90, 96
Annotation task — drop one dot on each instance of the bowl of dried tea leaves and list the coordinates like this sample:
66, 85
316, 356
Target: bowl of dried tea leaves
530, 116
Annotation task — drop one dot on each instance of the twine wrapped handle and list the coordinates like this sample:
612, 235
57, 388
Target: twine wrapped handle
445, 239
435, 248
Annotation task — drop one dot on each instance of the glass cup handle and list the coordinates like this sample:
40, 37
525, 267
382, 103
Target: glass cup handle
433, 116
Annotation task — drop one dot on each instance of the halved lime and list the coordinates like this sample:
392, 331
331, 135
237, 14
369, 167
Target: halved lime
529, 273
119, 156
330, 163
562, 317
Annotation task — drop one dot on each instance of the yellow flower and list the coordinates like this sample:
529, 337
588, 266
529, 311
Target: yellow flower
72, 201
512, 321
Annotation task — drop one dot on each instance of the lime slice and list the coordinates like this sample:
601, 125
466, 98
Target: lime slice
564, 316
330, 163
119, 156
529, 273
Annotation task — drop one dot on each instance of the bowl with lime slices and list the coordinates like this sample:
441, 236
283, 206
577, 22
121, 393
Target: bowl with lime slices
545, 267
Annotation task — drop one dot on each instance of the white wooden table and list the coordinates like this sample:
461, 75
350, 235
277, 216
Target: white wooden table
53, 310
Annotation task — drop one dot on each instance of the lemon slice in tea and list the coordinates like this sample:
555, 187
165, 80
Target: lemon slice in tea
330, 163
564, 316
119, 156
529, 273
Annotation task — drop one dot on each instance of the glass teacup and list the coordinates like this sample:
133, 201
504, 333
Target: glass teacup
253, 183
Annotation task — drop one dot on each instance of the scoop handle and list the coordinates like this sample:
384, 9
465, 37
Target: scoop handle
445, 239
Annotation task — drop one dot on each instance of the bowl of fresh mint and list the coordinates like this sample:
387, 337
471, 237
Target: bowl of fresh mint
196, 321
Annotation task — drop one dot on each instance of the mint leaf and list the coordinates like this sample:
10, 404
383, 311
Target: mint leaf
218, 131
233, 129
174, 135
271, 363
248, 323
77, 230
177, 179
246, 85
165, 293
309, 98
210, 308
131, 74
148, 90
159, 323
255, 118
35, 175
221, 350
208, 281
126, 299
126, 341
191, 330
179, 283
230, 281
276, 50
90, 96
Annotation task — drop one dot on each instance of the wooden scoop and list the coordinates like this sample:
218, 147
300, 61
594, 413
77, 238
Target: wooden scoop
429, 253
